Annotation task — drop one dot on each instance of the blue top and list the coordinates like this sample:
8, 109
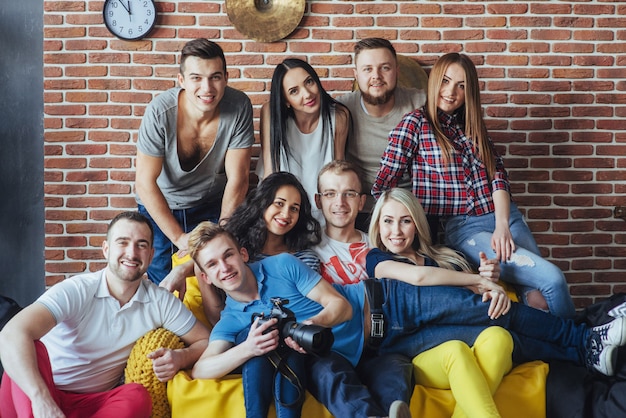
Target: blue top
376, 255
287, 277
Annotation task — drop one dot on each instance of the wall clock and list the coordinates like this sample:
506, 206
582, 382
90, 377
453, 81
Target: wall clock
129, 19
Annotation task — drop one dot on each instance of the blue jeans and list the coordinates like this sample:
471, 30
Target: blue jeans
262, 385
188, 219
365, 391
418, 318
526, 269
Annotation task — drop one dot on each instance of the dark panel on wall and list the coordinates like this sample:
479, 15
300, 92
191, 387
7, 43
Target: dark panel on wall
21, 150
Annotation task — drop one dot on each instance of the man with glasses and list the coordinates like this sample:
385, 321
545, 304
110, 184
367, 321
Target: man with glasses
378, 381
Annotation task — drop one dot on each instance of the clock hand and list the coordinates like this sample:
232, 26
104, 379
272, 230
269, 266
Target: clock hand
130, 14
125, 8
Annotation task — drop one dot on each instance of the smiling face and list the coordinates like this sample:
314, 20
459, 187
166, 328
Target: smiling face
341, 210
283, 214
204, 83
452, 91
377, 75
224, 265
397, 229
301, 91
128, 250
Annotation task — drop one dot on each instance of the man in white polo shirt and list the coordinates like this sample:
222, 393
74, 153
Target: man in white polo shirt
65, 354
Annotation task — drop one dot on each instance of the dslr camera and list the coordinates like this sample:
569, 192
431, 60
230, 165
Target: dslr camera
315, 339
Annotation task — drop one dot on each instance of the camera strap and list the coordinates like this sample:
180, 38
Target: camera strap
281, 366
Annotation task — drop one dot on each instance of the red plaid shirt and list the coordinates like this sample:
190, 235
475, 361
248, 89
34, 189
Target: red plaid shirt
460, 187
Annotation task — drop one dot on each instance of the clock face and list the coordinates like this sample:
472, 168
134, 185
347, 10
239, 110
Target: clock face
129, 19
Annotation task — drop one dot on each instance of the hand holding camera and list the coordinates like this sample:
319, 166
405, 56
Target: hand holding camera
313, 339
262, 338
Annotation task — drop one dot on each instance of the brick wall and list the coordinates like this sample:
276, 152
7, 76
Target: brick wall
553, 77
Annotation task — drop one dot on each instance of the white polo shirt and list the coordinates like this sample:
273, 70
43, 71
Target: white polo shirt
93, 337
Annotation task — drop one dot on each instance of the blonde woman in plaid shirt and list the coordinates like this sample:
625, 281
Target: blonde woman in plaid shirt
458, 175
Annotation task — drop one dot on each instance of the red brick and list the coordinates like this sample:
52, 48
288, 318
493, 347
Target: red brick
76, 267
74, 110
86, 97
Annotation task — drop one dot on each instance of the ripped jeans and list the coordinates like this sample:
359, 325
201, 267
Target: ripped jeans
526, 269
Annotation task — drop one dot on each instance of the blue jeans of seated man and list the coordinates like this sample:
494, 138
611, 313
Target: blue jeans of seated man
526, 270
262, 386
188, 219
365, 391
421, 317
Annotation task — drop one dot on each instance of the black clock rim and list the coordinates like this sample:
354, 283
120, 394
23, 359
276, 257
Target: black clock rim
125, 38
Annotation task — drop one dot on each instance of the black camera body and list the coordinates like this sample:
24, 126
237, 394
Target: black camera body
315, 339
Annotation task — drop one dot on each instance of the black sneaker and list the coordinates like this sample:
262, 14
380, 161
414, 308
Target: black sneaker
601, 358
613, 333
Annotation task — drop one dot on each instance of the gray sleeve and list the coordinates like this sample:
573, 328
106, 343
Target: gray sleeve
158, 124
242, 130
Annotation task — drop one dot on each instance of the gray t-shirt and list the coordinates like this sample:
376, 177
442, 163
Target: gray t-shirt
205, 183
370, 134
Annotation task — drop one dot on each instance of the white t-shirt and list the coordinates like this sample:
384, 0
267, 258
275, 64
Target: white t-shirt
91, 343
343, 263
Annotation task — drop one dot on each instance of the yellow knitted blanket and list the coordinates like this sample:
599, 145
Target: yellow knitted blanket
139, 367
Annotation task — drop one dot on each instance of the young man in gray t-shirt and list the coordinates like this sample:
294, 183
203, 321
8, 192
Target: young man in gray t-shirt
193, 152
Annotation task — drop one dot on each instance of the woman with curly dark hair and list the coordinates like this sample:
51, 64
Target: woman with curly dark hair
276, 218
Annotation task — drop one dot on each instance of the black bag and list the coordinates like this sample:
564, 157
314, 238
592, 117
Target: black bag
8, 308
575, 392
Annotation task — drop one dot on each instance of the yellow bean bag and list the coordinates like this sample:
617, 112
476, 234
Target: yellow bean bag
139, 367
520, 395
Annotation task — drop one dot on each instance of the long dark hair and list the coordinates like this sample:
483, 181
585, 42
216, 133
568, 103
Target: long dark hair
279, 111
247, 222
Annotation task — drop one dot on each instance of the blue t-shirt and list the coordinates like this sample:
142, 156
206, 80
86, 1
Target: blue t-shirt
287, 277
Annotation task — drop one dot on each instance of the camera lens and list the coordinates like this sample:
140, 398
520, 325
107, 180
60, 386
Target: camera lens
314, 339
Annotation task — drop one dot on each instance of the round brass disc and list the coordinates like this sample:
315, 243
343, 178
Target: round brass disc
265, 20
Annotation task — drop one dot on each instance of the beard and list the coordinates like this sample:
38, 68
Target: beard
378, 100
125, 275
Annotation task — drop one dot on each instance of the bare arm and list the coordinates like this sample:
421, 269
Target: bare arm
502, 240
237, 167
19, 358
342, 126
176, 279
429, 276
265, 132
336, 309
222, 357
148, 169
167, 362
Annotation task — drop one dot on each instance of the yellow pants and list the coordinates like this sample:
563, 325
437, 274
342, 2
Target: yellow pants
472, 374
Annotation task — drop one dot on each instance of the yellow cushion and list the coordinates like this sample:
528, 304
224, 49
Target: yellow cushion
139, 367
220, 398
521, 395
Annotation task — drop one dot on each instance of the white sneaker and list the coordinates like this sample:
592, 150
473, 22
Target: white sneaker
602, 358
399, 409
612, 333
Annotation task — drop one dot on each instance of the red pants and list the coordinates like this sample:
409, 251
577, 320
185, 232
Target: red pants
131, 400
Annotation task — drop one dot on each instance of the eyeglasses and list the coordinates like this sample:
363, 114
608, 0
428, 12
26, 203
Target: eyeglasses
346, 195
